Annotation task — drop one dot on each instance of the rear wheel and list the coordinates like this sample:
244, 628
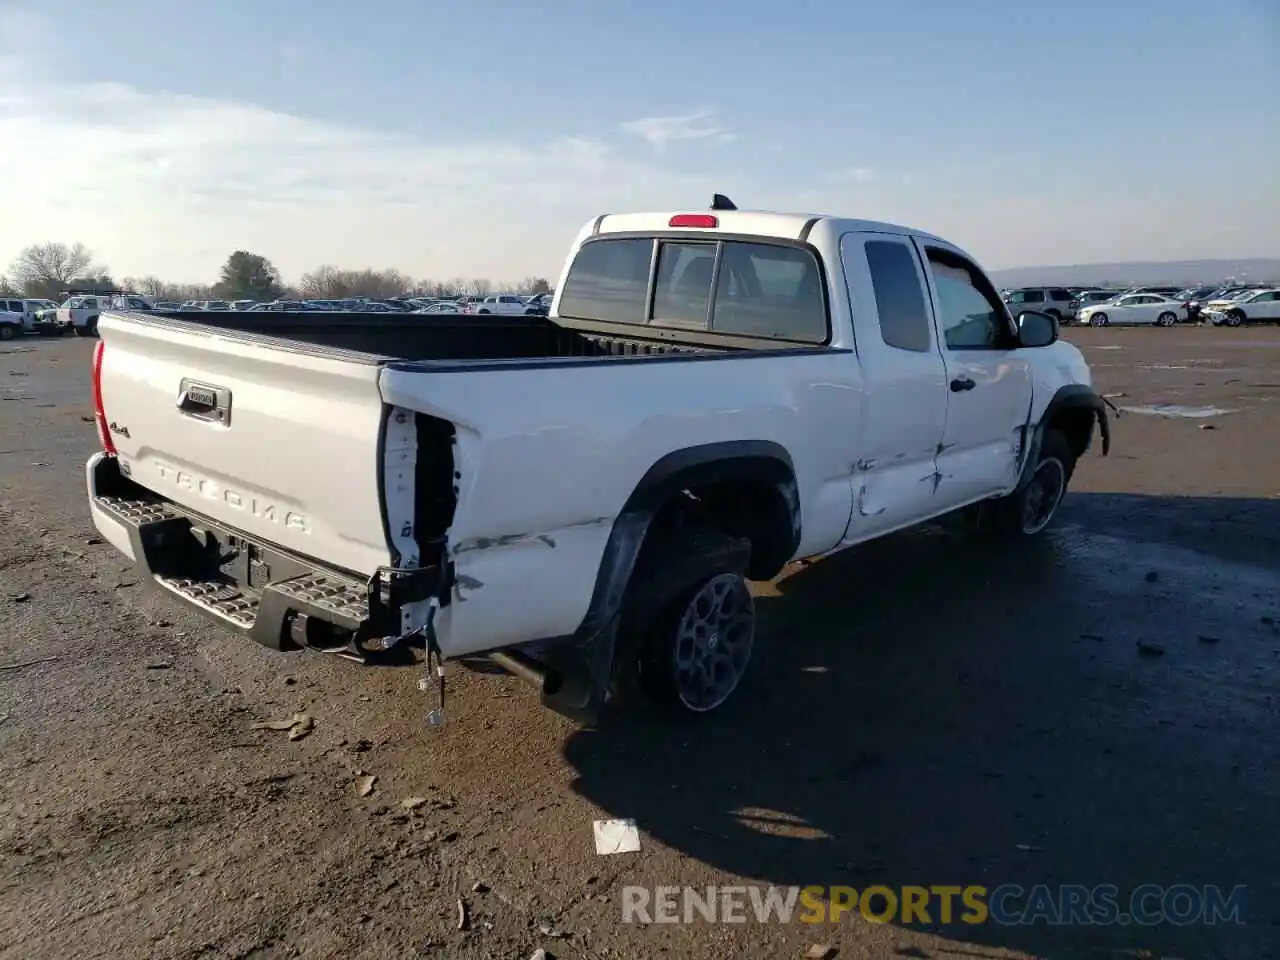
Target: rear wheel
7, 332
689, 623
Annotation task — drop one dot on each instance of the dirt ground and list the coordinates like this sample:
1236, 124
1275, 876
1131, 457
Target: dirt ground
1099, 707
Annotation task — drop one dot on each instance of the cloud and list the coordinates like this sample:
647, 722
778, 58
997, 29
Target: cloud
661, 131
169, 184
854, 175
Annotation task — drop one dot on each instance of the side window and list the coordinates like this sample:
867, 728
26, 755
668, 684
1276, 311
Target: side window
769, 290
971, 315
1035, 296
1018, 296
15, 306
1059, 294
904, 318
682, 289
609, 280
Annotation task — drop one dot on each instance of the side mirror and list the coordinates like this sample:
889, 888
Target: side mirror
1036, 329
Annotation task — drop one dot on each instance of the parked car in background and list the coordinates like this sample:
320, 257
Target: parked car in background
33, 316
1055, 301
1193, 298
1171, 292
79, 313
11, 325
1252, 305
540, 303
1088, 298
507, 304
131, 301
1135, 308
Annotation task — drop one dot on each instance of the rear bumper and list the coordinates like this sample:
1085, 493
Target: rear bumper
274, 598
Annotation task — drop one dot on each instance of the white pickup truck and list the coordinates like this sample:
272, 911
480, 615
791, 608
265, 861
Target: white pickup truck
583, 497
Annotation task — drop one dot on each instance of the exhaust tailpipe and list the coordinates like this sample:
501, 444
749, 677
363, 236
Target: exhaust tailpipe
546, 681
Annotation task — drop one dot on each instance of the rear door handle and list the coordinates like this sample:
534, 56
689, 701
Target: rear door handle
203, 401
960, 384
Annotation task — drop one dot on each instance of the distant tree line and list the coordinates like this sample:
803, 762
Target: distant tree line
44, 270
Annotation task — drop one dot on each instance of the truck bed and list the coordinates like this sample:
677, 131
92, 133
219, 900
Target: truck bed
421, 337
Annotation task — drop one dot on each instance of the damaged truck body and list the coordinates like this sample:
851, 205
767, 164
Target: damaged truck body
583, 497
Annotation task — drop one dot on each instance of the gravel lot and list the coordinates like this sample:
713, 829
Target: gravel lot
1100, 707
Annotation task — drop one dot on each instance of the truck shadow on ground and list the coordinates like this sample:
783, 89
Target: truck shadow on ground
928, 711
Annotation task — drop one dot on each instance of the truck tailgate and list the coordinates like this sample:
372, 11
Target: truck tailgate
279, 443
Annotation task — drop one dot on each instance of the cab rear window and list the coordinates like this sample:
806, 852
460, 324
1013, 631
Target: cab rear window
738, 288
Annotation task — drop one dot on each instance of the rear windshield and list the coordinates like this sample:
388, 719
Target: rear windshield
762, 290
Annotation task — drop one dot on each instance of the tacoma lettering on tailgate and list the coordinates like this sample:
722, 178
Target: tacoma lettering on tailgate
209, 490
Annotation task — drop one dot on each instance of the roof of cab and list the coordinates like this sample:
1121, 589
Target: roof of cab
761, 223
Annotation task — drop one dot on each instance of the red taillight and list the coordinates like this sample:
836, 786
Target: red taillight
693, 220
99, 411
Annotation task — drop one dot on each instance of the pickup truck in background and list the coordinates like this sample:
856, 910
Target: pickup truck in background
507, 304
19, 316
584, 497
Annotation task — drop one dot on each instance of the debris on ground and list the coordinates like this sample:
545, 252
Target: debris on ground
464, 921
479, 887
413, 803
1152, 576
549, 929
1029, 848
20, 597
541, 954
1205, 638
303, 727
820, 951
159, 665
616, 836
27, 663
1148, 649
299, 725
364, 785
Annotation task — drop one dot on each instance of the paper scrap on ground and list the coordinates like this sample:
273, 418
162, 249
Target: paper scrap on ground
616, 836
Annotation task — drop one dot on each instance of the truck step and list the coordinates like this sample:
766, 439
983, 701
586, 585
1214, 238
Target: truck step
138, 512
341, 599
223, 600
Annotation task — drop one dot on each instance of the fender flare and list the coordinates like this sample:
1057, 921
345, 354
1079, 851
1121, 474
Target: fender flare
678, 470
1073, 396
585, 659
